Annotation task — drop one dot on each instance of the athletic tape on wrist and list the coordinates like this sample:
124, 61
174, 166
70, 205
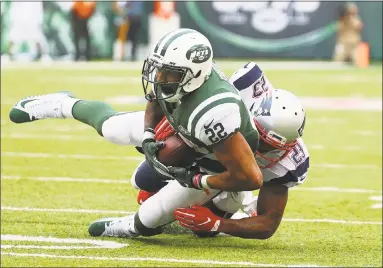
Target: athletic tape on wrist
204, 182
148, 134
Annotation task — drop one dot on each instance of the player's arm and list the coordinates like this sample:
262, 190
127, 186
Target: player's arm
272, 200
243, 173
153, 113
219, 128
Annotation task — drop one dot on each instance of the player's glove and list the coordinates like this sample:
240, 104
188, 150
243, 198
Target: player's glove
150, 148
198, 218
163, 130
191, 178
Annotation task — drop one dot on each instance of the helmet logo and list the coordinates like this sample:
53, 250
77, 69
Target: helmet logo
198, 53
265, 107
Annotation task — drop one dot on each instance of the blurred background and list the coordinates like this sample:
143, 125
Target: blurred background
126, 30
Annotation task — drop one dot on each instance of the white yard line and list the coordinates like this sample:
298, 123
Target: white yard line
95, 243
335, 221
146, 259
65, 179
378, 199
75, 156
66, 210
83, 138
137, 158
312, 103
341, 166
334, 189
86, 66
127, 181
367, 133
72, 210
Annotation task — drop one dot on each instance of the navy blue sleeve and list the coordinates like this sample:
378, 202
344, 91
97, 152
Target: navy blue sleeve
248, 78
293, 177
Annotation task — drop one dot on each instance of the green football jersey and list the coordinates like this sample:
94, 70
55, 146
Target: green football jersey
209, 115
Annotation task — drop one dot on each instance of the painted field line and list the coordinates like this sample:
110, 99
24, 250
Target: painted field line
65, 179
82, 138
93, 242
137, 259
311, 103
86, 66
67, 210
341, 166
378, 199
240, 215
126, 181
74, 156
335, 221
137, 158
334, 189
51, 137
72, 210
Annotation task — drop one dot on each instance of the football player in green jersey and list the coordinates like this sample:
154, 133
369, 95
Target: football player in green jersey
204, 108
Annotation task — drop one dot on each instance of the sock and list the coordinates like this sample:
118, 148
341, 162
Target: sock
67, 106
92, 113
141, 229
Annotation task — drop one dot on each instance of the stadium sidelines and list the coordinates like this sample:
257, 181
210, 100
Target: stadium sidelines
136, 158
92, 211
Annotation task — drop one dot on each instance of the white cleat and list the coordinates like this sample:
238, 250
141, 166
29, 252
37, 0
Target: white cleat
40, 107
114, 227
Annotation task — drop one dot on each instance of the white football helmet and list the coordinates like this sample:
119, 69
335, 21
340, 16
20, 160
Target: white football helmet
280, 119
180, 63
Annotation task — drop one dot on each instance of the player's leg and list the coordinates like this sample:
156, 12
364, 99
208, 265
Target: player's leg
120, 128
153, 213
147, 179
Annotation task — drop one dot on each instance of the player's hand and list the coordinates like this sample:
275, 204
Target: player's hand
190, 178
150, 148
198, 218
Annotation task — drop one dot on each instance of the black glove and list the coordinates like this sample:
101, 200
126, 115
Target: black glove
190, 178
150, 148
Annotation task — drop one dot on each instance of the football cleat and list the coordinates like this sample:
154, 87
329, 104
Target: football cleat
114, 227
39, 107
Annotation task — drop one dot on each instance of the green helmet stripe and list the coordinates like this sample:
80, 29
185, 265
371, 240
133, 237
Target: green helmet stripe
159, 42
171, 39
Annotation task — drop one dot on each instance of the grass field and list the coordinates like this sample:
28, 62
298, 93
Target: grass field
57, 176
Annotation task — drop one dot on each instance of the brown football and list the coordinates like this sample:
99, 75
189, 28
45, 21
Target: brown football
176, 152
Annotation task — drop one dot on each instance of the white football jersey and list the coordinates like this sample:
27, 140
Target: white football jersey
252, 84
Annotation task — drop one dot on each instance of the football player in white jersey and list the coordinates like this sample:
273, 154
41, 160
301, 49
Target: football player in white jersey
283, 168
280, 169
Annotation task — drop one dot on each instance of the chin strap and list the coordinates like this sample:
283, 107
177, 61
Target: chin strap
149, 97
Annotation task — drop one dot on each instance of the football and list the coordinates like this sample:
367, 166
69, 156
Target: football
176, 152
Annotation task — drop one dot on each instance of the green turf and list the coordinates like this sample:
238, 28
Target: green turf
352, 139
